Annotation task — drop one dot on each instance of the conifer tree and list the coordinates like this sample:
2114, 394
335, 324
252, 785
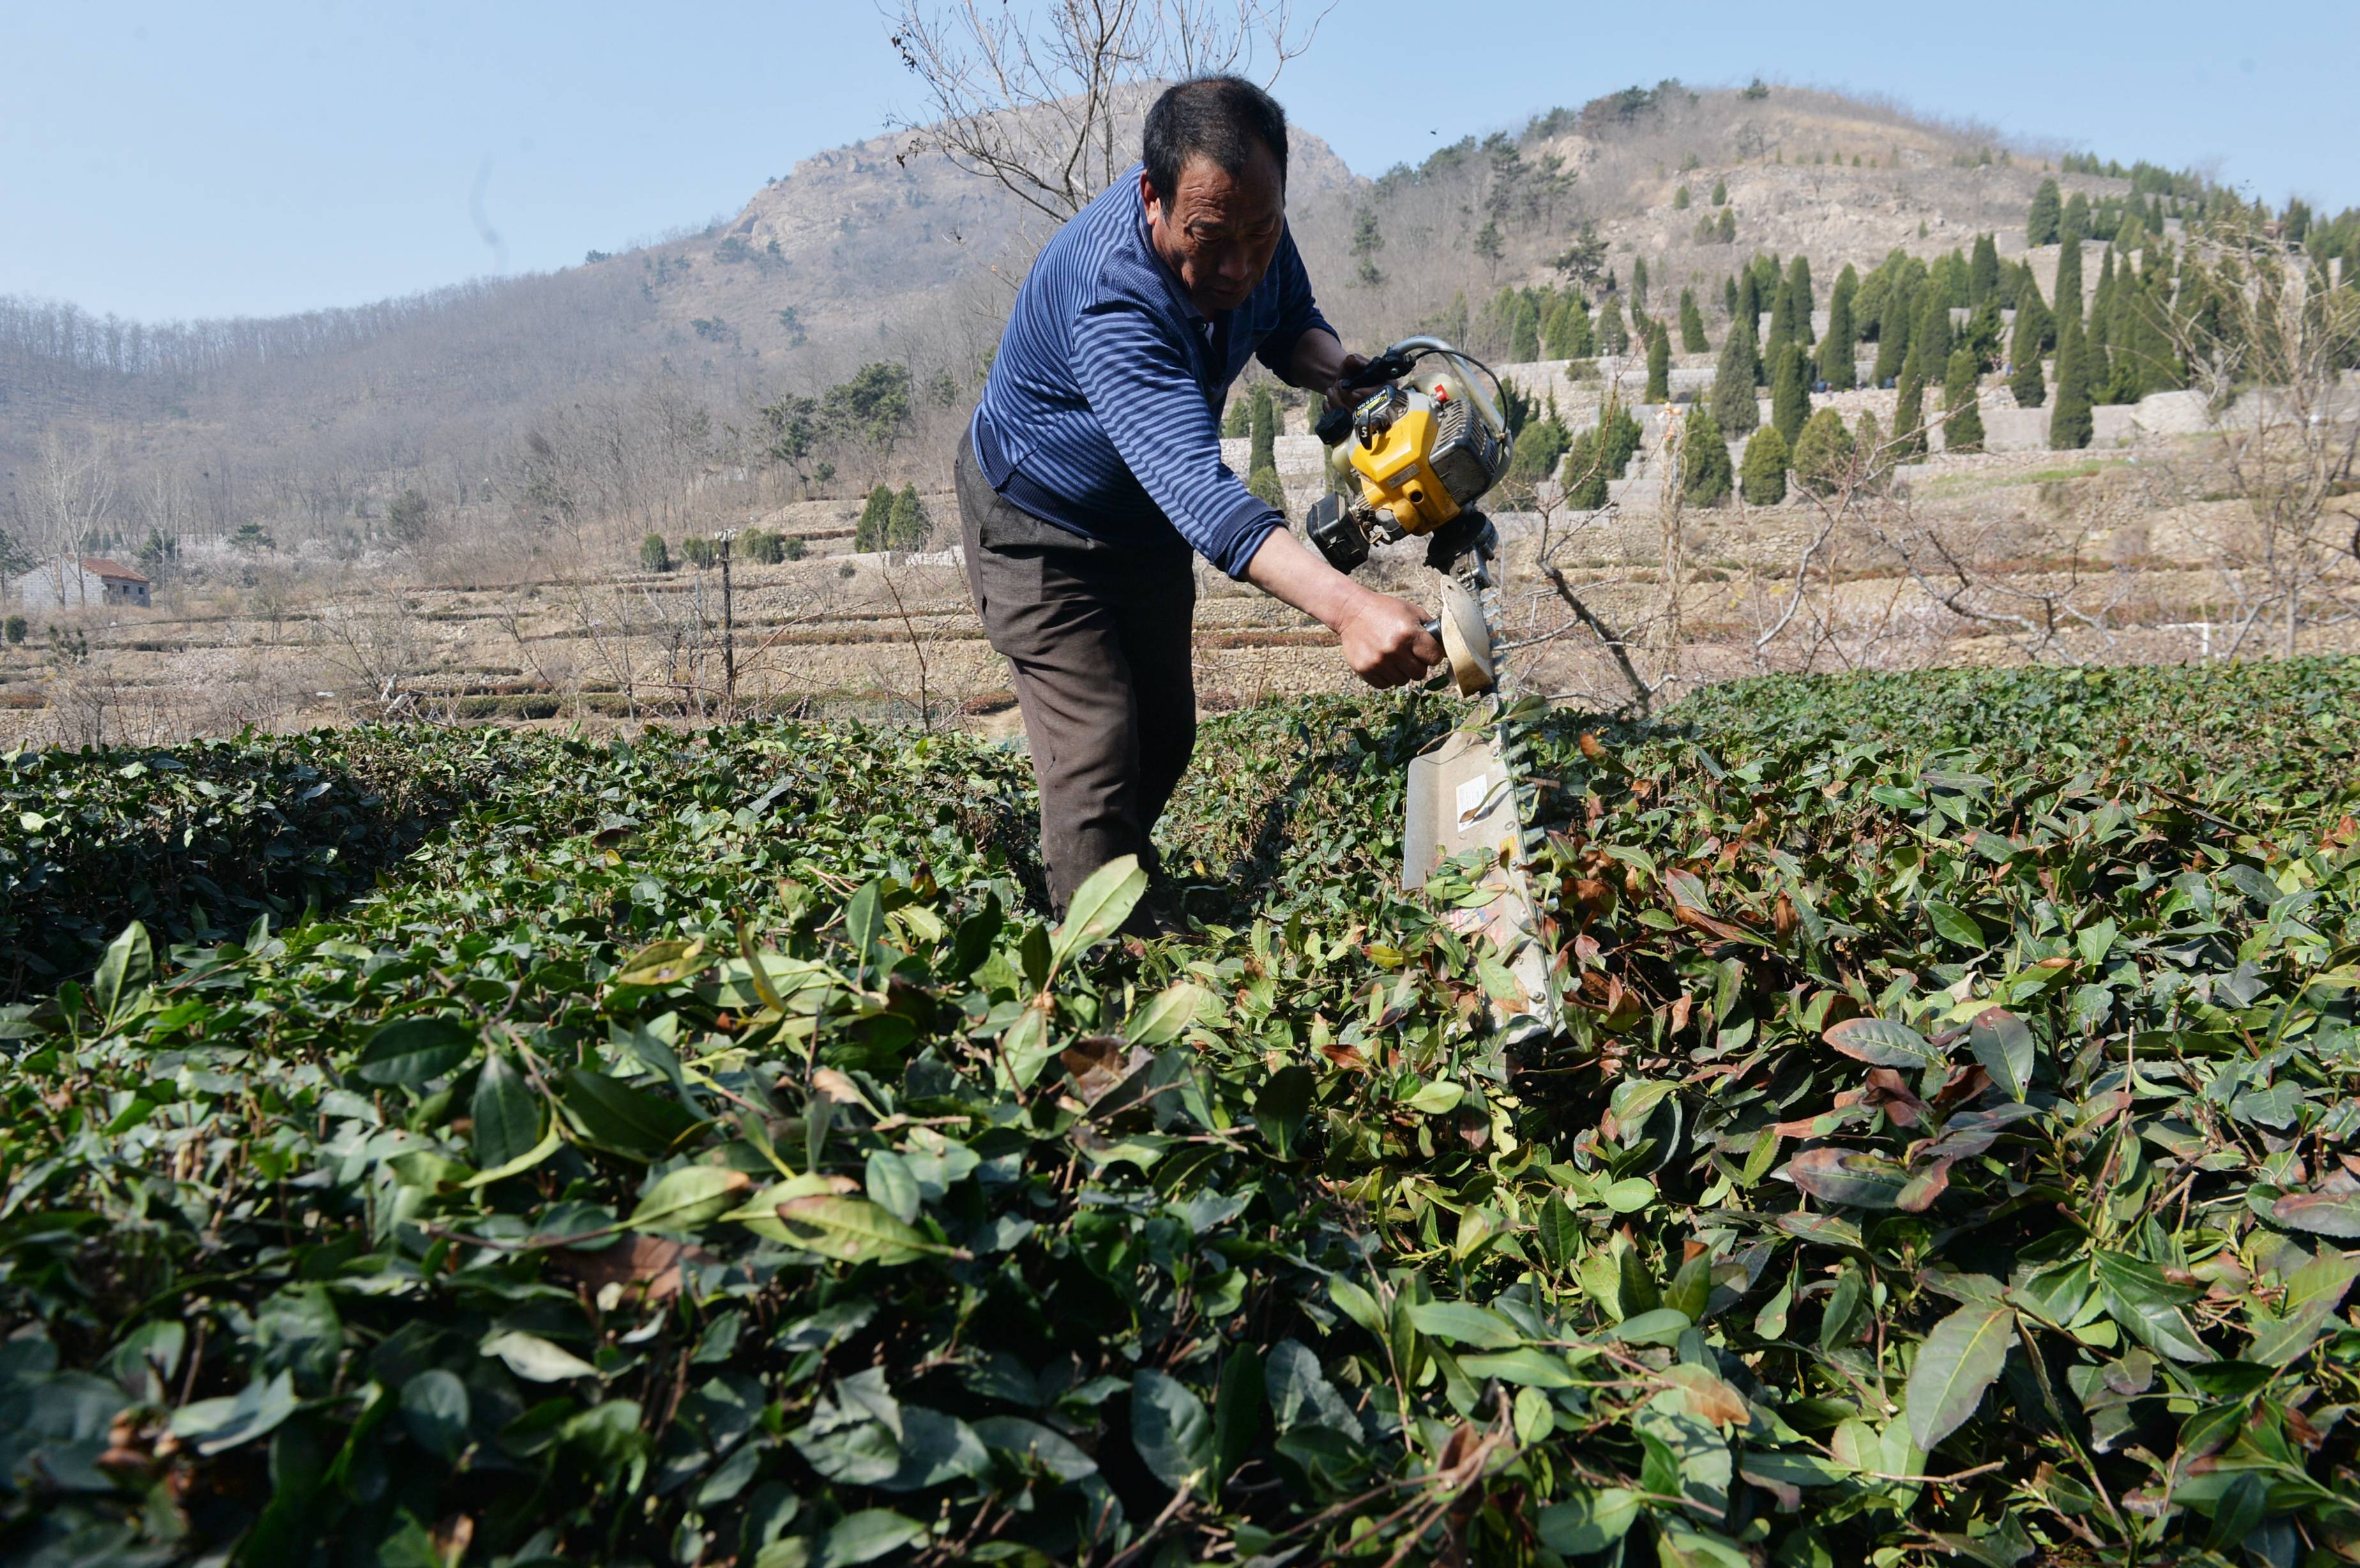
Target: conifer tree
1750, 303
1984, 331
1929, 335
1868, 441
1524, 334
908, 526
1790, 394
1585, 476
1555, 330
1692, 338
1721, 192
2046, 222
2068, 421
1764, 474
1823, 453
1727, 227
1893, 324
2030, 389
1618, 437
1705, 474
1263, 427
1798, 278
1962, 417
1639, 284
654, 555
1909, 413
1680, 199
1613, 337
1265, 486
1782, 318
2075, 224
1982, 273
1660, 365
2067, 295
1837, 355
1729, 295
1734, 410
875, 513
2098, 359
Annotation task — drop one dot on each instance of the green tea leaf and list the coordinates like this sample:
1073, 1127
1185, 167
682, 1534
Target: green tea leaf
1961, 1356
2005, 1047
411, 1052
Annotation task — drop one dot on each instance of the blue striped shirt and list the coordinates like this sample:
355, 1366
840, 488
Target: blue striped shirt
1102, 411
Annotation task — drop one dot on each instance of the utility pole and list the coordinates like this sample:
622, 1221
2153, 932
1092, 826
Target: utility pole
728, 632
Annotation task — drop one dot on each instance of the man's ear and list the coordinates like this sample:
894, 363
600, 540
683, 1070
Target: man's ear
1147, 195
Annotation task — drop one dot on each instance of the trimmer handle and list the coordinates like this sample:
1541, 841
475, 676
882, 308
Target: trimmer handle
1390, 365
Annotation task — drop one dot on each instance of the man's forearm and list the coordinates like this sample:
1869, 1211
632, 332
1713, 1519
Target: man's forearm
1384, 638
1316, 362
1286, 571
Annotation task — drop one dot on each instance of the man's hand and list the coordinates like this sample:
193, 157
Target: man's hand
1336, 393
1385, 640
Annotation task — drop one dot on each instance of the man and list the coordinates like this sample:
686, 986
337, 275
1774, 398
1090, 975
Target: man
1093, 467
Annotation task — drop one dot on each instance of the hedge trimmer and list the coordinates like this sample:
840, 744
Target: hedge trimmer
1411, 461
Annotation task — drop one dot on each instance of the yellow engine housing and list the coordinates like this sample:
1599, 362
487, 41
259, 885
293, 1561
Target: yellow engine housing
1397, 473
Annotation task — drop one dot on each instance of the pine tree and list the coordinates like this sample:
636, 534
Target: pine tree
1962, 417
1692, 338
1705, 472
1659, 366
1798, 278
908, 526
2068, 421
1982, 273
2046, 222
1721, 192
1837, 355
1909, 413
1763, 481
1263, 426
876, 514
1727, 228
1612, 336
2030, 391
1791, 395
1824, 454
1734, 410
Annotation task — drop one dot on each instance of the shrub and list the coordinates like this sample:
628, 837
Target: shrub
908, 526
762, 547
16, 631
654, 554
1585, 475
876, 515
1619, 435
793, 547
1680, 199
699, 552
1765, 472
1823, 453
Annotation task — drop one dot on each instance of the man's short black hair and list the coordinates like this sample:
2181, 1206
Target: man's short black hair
1218, 117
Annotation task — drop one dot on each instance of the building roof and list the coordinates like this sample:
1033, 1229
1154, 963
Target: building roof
112, 570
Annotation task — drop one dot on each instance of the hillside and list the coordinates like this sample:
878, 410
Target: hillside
311, 425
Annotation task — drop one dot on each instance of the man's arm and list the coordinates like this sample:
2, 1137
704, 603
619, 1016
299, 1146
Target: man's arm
1318, 363
1385, 640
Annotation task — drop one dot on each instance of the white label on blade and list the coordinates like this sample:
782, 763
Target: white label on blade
1470, 796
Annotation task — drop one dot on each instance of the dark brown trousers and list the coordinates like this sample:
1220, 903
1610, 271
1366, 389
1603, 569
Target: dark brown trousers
1099, 640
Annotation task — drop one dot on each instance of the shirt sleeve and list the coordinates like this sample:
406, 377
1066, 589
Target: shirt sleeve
1298, 313
1145, 396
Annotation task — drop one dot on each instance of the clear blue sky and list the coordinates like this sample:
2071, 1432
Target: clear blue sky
164, 160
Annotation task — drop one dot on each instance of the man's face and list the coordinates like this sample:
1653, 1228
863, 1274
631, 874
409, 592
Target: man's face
1219, 230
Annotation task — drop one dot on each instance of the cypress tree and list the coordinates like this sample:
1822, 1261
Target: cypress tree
908, 526
1765, 472
1704, 460
1553, 330
1524, 334
1823, 453
1721, 192
1733, 407
1766, 274
875, 513
1982, 273
1692, 339
2030, 391
2127, 353
1585, 476
1893, 322
1782, 318
1729, 295
1798, 278
1836, 355
2067, 294
1962, 422
1612, 336
2102, 320
1727, 228
1618, 437
1929, 335
2047, 220
2075, 224
2068, 421
1791, 397
1749, 300
1263, 427
1639, 283
1659, 366
1909, 414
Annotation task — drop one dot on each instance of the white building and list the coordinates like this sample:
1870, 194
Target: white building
92, 582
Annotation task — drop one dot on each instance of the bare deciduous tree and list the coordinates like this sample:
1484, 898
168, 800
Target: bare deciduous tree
1042, 101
